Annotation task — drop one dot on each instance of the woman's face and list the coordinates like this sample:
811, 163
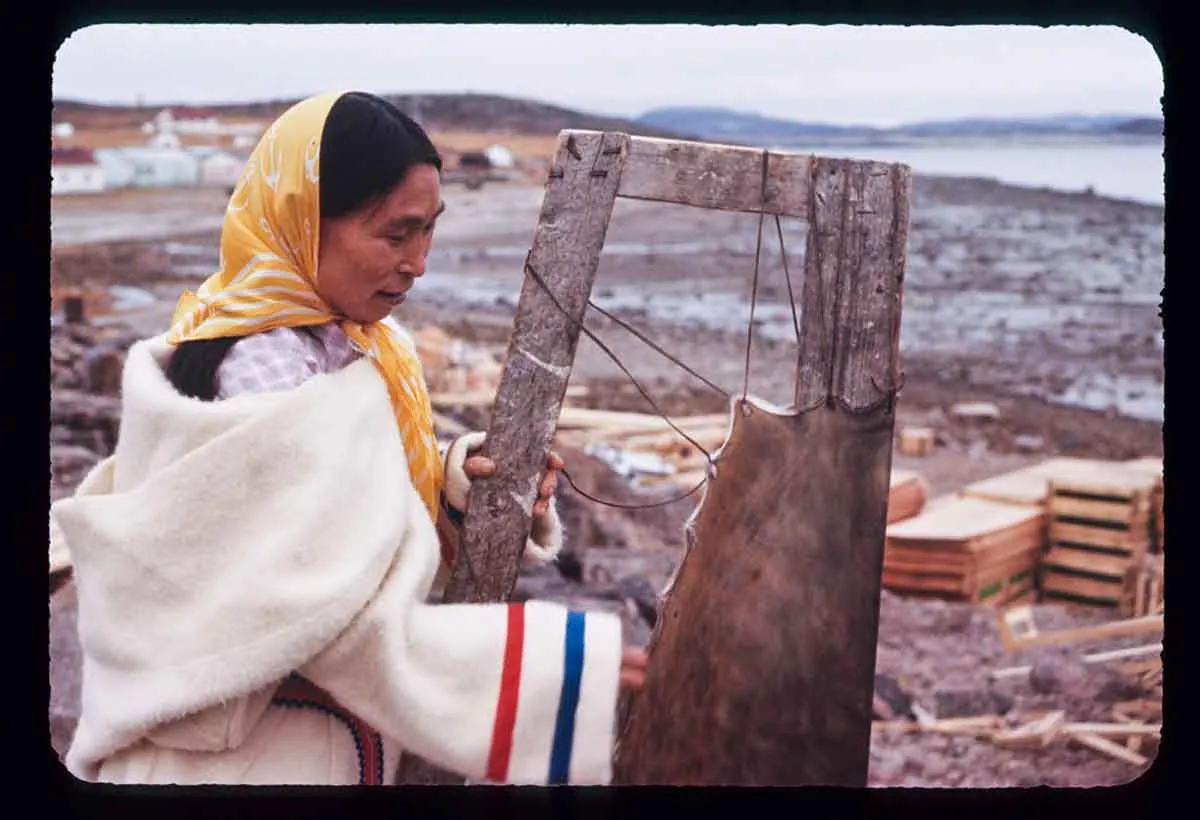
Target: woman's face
368, 259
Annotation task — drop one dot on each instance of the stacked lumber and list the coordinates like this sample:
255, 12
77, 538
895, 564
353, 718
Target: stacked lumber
1099, 532
966, 549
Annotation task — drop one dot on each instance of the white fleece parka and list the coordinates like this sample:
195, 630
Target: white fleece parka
228, 546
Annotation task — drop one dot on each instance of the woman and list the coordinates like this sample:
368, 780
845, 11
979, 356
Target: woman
254, 563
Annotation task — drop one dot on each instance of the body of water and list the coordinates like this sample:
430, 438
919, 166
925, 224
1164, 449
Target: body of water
1131, 170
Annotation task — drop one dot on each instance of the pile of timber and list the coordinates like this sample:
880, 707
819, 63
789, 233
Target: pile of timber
1104, 537
1134, 723
966, 549
657, 455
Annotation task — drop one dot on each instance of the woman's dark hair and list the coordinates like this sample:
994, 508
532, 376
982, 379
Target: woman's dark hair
368, 146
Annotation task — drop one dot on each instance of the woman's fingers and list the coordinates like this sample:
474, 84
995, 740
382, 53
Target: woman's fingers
549, 482
479, 467
633, 657
554, 461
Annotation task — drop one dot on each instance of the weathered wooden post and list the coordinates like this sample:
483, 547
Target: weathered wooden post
762, 662
576, 209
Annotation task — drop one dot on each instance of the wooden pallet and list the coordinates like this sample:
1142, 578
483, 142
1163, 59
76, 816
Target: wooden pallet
965, 549
1153, 468
1143, 590
1099, 528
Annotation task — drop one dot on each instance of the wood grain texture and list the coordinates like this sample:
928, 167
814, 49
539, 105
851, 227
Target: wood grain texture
576, 207
854, 271
718, 177
762, 662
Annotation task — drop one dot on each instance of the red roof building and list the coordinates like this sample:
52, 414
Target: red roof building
72, 156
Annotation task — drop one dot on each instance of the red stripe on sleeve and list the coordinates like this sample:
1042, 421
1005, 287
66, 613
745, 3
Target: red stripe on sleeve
510, 686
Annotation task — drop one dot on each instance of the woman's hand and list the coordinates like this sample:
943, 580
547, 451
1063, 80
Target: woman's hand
482, 467
633, 667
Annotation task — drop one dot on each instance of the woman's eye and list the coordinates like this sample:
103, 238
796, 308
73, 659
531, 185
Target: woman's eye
398, 239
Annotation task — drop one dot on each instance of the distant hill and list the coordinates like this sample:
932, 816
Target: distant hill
438, 112
725, 124
722, 124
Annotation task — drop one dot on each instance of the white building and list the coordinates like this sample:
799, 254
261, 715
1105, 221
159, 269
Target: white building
75, 171
500, 157
221, 170
148, 167
63, 129
165, 139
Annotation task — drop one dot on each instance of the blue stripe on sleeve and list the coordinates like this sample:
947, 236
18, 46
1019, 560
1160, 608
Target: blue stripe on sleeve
564, 726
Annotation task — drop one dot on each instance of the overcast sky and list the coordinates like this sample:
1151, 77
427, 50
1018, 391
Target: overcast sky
839, 74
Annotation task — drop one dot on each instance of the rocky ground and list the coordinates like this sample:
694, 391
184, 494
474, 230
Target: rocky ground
1025, 298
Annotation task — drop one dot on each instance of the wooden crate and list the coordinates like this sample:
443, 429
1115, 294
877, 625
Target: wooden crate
1099, 528
1030, 485
965, 549
916, 441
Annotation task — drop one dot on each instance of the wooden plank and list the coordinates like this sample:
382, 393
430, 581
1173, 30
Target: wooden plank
1117, 654
1109, 748
1070, 532
954, 584
576, 208
1117, 481
720, 177
762, 663
1087, 561
1030, 485
566, 250
961, 520
939, 554
1064, 506
1128, 626
1036, 734
1097, 590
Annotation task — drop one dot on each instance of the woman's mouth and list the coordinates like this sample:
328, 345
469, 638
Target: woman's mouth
392, 297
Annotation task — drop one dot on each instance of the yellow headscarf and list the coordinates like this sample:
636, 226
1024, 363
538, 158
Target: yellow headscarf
268, 269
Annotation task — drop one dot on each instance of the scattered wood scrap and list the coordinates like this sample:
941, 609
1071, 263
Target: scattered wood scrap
1036, 734
1018, 631
1038, 731
1100, 744
965, 549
